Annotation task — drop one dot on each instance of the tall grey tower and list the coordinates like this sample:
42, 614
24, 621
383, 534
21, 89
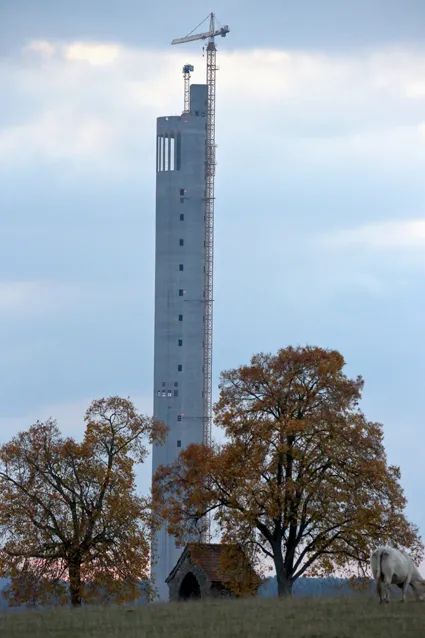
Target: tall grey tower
185, 163
179, 293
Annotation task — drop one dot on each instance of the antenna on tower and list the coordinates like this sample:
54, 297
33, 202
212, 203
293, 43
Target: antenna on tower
187, 69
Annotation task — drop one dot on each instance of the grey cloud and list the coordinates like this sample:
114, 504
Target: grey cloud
304, 24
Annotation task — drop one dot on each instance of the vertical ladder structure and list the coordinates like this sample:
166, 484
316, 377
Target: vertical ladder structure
210, 163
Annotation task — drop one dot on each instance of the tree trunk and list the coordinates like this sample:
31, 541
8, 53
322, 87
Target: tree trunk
284, 582
75, 582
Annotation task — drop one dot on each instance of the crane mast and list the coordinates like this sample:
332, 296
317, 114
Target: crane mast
210, 163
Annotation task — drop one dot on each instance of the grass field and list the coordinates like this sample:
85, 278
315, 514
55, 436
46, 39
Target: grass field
257, 618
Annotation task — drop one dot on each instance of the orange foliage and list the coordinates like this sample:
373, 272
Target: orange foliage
303, 477
69, 511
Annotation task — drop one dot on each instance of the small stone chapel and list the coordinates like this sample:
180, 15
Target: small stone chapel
197, 574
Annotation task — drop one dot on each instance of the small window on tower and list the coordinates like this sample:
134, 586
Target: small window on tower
163, 384
182, 192
181, 292
179, 418
176, 384
158, 394
169, 393
176, 393
180, 367
163, 393
180, 342
180, 317
181, 200
181, 242
179, 443
182, 217
181, 267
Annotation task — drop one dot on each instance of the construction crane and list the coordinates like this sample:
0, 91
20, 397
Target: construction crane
210, 162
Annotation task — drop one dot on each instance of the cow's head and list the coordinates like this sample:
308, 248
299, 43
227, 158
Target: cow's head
419, 589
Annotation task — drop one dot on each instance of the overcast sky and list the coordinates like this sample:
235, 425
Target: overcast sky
320, 210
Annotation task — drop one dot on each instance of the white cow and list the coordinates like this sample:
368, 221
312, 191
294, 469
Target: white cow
392, 566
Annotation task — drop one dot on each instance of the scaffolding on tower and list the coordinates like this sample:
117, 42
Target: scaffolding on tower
210, 162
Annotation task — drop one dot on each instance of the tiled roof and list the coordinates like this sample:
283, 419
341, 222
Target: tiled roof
207, 556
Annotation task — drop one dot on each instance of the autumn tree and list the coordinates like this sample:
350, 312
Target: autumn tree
302, 477
72, 527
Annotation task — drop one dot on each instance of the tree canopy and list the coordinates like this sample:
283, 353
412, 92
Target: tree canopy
302, 477
72, 527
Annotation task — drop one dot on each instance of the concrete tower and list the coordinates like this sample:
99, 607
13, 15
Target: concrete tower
179, 294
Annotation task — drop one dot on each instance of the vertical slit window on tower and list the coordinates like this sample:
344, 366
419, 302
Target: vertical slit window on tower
166, 152
178, 151
176, 393
169, 393
181, 200
180, 317
163, 384
181, 292
180, 368
182, 217
179, 443
180, 342
158, 153
181, 242
181, 267
182, 192
162, 153
176, 384
172, 152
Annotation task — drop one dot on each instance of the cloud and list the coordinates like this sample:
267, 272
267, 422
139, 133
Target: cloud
17, 297
97, 102
42, 47
93, 54
56, 134
382, 236
308, 142
44, 297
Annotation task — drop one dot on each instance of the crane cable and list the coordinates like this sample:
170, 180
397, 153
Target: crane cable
199, 25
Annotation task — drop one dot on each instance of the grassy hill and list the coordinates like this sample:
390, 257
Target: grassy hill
353, 617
